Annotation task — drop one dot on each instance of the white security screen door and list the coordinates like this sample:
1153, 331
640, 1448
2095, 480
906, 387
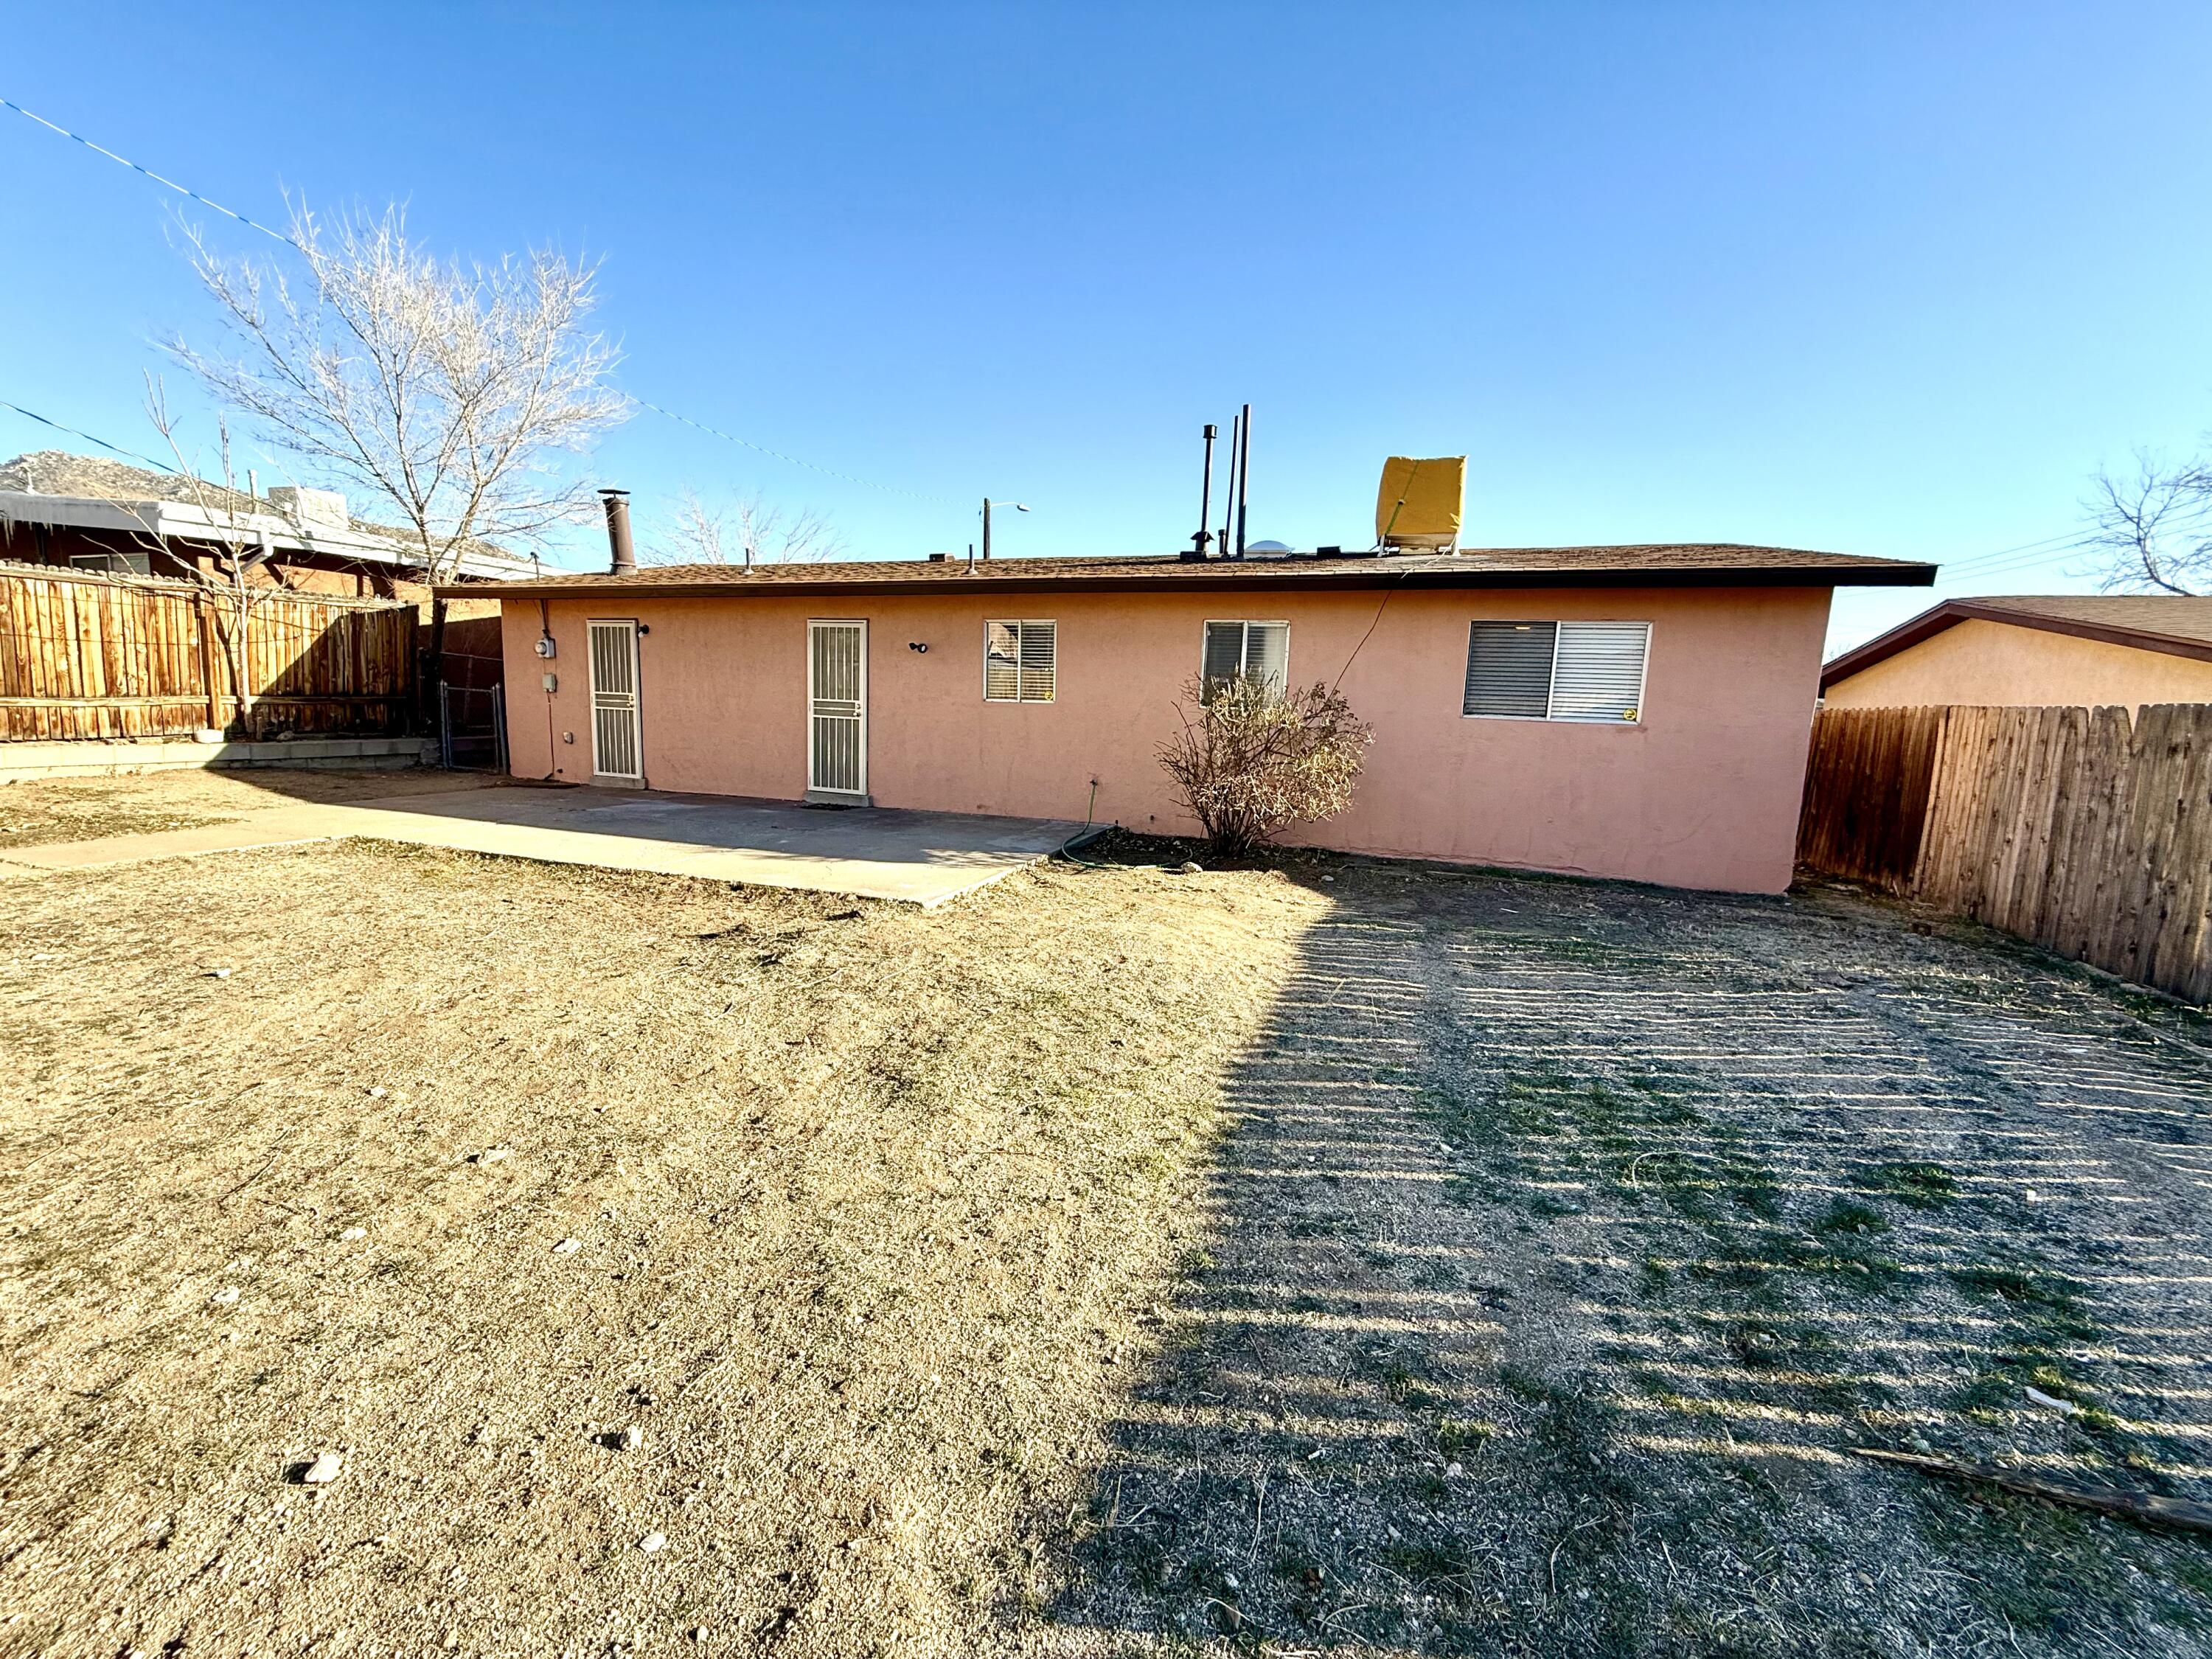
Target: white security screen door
615, 750
837, 708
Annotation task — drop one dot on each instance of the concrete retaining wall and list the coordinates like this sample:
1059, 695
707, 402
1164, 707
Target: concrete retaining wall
21, 761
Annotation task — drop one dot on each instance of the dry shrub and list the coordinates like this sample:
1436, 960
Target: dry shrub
1250, 762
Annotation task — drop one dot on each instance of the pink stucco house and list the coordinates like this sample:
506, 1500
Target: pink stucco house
1633, 712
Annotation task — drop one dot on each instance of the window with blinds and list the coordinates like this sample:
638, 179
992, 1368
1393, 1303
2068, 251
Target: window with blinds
1018, 661
1590, 671
1261, 650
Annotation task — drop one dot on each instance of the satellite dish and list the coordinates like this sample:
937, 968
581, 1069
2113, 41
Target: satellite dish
1268, 547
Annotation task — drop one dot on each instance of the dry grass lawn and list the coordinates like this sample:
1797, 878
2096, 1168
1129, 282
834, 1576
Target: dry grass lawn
870, 1208
1355, 1258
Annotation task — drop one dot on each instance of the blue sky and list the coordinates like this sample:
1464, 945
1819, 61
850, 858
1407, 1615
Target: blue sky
1882, 279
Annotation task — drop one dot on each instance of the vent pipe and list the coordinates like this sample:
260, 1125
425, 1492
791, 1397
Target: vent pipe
1229, 494
1243, 476
624, 562
1205, 499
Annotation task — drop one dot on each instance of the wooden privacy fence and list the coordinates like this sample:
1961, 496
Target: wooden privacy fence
92, 656
2080, 828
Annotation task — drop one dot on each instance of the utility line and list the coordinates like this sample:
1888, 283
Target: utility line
1953, 574
171, 184
115, 449
255, 224
1978, 567
2032, 561
791, 460
2052, 543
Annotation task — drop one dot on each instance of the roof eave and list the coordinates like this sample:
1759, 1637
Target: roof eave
1883, 647
1370, 579
1951, 612
175, 521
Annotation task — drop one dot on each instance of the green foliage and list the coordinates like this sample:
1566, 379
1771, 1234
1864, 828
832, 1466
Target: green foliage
1845, 1217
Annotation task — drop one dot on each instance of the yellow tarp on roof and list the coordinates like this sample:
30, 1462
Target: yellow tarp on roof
1419, 505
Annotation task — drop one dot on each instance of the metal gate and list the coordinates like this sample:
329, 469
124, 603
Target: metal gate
837, 711
472, 728
615, 745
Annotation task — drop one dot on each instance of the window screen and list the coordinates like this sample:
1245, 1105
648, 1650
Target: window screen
1568, 671
1019, 661
1508, 668
1599, 674
1258, 648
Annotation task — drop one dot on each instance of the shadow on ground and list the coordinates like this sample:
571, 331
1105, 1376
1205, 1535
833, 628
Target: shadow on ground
1569, 1237
47, 811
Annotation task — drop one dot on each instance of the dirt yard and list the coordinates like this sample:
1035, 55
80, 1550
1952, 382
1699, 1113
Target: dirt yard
1571, 1237
870, 1207
89, 809
1350, 1257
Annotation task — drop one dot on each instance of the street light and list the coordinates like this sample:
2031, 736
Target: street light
988, 505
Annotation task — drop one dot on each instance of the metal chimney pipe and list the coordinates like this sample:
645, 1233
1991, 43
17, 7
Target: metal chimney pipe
1243, 479
1228, 490
1206, 498
988, 505
624, 562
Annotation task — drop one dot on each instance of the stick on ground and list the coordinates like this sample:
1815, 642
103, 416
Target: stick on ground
2106, 1500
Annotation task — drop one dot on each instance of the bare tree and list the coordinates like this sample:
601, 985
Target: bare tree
1251, 761
237, 543
2155, 529
448, 392
747, 531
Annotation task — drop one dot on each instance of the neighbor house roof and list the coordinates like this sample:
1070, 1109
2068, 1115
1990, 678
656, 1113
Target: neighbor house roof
52, 486
1706, 564
2176, 624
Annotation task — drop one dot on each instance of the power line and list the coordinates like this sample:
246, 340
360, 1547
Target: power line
792, 460
254, 224
2053, 543
2033, 561
2031, 555
2049, 543
1973, 577
113, 449
125, 161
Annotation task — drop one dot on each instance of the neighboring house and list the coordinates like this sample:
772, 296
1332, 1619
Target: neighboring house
2071, 649
1637, 712
85, 513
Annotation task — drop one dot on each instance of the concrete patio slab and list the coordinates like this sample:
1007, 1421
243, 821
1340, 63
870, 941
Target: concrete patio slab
920, 857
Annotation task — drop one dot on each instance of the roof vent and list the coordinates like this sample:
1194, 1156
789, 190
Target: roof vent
936, 558
324, 509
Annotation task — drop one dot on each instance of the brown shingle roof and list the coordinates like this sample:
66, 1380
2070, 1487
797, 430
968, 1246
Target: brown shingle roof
2159, 616
1712, 564
2175, 624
